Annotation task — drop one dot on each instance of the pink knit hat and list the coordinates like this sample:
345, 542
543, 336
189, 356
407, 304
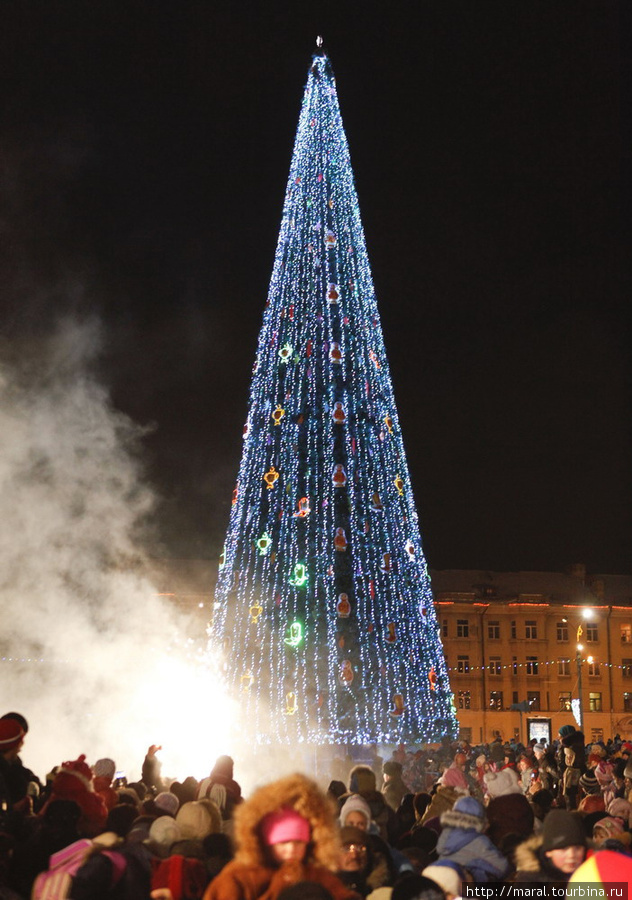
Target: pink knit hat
284, 825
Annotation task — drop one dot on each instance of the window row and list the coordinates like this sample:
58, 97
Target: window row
464, 629
595, 702
532, 666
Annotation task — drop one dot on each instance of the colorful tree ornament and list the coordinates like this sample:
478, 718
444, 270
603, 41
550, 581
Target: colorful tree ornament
340, 540
295, 635
335, 353
303, 508
299, 575
285, 353
271, 477
264, 543
338, 413
339, 459
278, 414
343, 606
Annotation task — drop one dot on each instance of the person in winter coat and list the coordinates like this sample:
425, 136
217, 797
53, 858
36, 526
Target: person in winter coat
552, 856
285, 833
463, 841
362, 781
394, 788
74, 780
221, 787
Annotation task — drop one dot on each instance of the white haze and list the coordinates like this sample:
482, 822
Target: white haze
95, 660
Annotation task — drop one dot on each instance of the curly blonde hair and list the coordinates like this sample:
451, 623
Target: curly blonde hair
295, 792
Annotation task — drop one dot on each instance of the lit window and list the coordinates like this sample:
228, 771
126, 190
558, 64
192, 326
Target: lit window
462, 628
464, 699
563, 667
594, 702
495, 699
533, 699
530, 629
626, 634
593, 668
626, 668
564, 701
627, 701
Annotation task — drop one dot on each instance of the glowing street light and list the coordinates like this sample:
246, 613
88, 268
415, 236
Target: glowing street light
587, 613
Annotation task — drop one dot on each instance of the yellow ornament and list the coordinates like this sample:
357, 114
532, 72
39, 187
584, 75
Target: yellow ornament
255, 611
291, 705
271, 477
278, 414
399, 484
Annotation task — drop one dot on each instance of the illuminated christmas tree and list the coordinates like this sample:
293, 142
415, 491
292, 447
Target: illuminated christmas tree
324, 607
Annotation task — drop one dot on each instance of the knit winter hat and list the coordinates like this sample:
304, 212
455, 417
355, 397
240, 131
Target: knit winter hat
589, 783
621, 809
19, 718
470, 806
11, 735
604, 773
499, 784
562, 828
566, 730
80, 769
167, 803
104, 768
613, 828
284, 825
355, 803
163, 833
467, 814
194, 820
448, 875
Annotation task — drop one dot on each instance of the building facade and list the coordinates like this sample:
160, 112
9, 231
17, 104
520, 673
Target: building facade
511, 644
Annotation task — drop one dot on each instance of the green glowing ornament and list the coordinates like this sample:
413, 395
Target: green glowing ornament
299, 578
286, 352
264, 543
295, 635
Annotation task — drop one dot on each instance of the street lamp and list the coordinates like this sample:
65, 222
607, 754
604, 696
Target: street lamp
587, 613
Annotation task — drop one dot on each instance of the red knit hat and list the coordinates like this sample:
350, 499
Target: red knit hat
80, 769
11, 735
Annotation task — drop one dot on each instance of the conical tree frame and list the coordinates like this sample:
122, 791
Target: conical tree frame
324, 609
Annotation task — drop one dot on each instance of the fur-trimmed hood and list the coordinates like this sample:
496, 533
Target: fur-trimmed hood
527, 854
300, 794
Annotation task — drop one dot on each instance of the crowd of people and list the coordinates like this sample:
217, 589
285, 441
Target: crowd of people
426, 824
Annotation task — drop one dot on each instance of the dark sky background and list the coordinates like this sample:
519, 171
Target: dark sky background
144, 151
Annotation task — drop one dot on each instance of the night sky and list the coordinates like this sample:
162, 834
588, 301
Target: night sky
144, 154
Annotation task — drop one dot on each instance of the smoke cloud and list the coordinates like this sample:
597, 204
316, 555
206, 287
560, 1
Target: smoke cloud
89, 653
